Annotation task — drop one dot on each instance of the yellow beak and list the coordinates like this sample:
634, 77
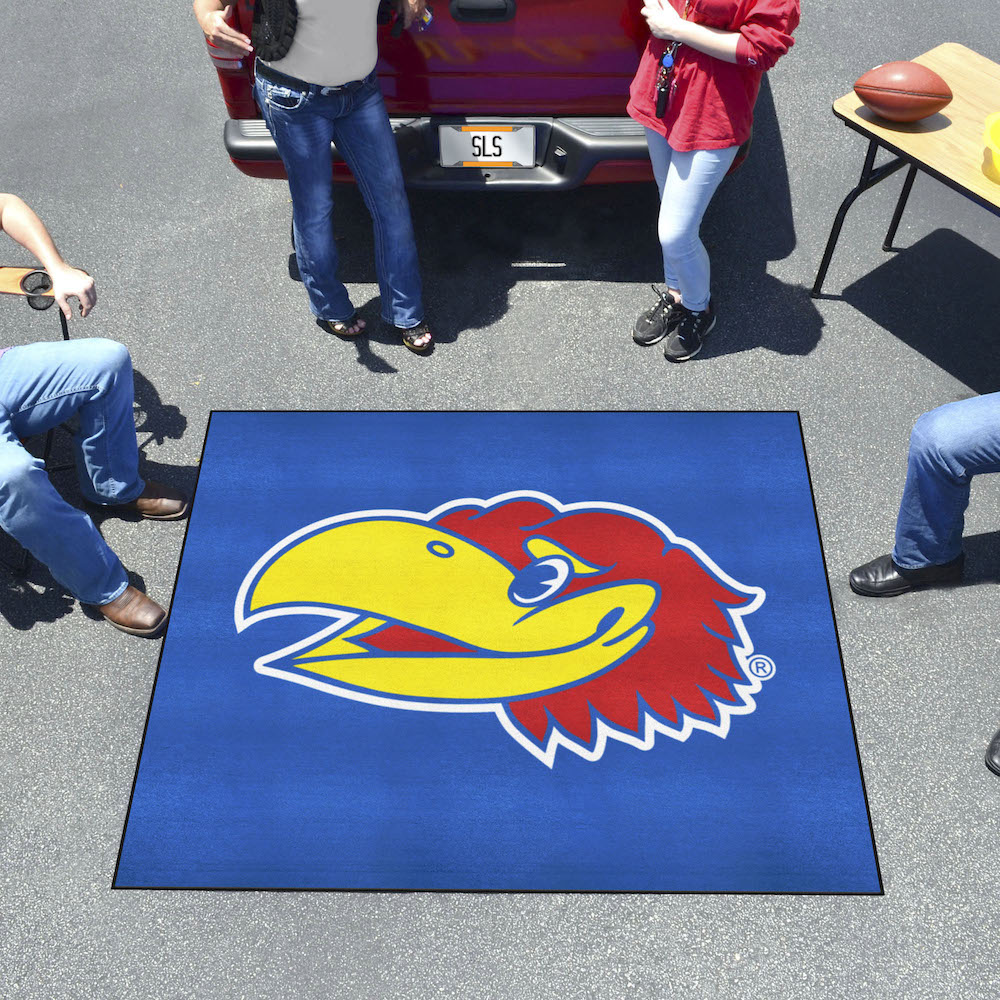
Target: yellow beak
424, 577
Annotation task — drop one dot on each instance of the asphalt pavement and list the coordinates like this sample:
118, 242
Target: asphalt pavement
112, 130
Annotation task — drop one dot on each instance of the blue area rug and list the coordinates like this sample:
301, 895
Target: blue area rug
501, 651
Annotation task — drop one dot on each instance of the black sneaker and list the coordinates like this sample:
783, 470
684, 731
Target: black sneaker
688, 338
654, 324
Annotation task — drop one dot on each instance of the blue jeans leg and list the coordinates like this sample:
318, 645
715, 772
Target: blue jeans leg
303, 123
687, 182
42, 385
303, 141
948, 447
366, 142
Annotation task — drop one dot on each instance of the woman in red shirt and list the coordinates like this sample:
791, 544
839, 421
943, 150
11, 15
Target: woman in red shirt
694, 92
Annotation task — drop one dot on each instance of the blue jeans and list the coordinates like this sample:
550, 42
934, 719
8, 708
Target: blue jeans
948, 447
687, 182
41, 386
303, 123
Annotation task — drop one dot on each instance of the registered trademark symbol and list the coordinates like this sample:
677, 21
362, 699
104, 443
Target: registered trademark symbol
762, 667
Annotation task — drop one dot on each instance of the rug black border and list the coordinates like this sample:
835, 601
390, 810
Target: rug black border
519, 892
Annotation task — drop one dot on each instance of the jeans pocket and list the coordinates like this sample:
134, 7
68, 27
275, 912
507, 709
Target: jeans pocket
284, 98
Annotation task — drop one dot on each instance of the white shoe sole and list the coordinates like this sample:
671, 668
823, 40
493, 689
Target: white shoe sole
688, 357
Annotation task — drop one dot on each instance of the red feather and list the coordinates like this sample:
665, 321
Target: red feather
691, 643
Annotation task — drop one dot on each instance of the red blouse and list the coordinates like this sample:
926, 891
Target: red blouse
711, 101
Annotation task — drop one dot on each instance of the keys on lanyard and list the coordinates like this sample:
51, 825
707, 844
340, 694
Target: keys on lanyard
667, 69
663, 79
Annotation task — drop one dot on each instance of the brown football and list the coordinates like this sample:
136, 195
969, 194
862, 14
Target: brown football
903, 91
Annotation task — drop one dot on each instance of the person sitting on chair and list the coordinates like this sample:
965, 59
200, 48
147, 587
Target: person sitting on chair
41, 386
948, 447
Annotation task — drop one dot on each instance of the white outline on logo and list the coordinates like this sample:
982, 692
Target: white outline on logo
546, 754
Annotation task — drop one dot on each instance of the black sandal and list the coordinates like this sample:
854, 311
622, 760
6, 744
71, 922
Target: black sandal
342, 327
413, 333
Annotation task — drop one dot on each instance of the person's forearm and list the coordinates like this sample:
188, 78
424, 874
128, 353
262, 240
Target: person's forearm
211, 17
203, 7
21, 224
711, 41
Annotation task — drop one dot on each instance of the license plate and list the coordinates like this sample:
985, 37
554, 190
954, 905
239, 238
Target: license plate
487, 145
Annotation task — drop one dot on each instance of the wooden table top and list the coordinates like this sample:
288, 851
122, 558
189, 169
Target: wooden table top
10, 280
949, 143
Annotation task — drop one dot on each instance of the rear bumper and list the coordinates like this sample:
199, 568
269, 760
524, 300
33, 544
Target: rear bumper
568, 152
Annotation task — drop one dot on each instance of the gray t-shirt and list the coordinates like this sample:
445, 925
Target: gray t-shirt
334, 42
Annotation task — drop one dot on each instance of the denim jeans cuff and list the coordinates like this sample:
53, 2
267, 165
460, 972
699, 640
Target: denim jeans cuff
939, 560
107, 599
126, 495
411, 326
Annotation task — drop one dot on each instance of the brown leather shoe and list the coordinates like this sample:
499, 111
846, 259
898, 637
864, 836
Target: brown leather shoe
158, 502
135, 613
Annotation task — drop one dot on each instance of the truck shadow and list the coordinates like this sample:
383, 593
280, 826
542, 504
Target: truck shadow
475, 247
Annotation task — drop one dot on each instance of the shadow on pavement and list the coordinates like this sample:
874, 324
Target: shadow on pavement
749, 224
982, 558
32, 597
474, 247
375, 332
941, 296
154, 417
26, 601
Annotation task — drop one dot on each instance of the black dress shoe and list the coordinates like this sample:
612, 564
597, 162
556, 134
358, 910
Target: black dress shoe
993, 753
883, 578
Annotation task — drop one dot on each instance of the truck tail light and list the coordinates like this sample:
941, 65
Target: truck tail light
223, 60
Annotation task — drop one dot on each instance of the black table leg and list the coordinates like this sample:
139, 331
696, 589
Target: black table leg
900, 205
870, 176
50, 436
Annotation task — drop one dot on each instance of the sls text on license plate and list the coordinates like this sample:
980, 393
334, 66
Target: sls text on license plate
487, 145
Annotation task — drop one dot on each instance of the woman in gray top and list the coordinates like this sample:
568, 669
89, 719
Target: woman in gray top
316, 85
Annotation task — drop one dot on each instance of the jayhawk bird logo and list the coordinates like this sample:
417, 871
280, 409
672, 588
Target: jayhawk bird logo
574, 623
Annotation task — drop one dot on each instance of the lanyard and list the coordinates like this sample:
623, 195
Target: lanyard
666, 71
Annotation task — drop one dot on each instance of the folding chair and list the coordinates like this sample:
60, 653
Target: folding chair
35, 287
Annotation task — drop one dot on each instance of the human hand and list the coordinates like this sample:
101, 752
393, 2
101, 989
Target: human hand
222, 35
410, 10
70, 282
664, 22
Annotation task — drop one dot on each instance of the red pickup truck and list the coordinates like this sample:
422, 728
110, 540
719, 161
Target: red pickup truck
517, 94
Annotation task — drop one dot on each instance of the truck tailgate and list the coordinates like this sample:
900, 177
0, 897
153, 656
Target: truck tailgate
552, 57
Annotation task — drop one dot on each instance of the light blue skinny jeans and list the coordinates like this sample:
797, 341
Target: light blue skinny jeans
41, 386
303, 122
948, 447
687, 182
